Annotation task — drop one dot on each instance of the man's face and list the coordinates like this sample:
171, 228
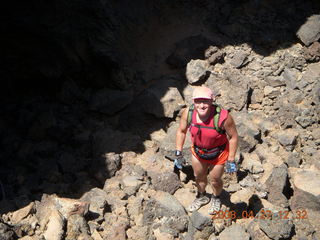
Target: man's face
202, 106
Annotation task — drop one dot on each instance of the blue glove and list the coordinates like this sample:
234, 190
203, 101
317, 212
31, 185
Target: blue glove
179, 162
231, 167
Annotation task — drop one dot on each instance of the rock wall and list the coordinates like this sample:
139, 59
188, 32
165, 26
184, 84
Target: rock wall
99, 91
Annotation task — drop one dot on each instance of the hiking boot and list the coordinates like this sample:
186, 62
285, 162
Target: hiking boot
198, 203
215, 205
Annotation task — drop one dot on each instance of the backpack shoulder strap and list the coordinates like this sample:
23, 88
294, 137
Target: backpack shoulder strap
190, 112
216, 119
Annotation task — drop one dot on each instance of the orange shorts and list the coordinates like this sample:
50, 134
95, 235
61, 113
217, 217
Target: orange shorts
220, 160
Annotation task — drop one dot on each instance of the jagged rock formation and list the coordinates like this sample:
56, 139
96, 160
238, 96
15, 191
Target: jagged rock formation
88, 162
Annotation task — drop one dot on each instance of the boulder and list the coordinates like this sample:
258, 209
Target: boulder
293, 160
304, 228
306, 117
97, 198
136, 233
286, 117
167, 181
249, 133
242, 196
162, 235
239, 59
309, 32
271, 92
231, 88
17, 216
306, 186
252, 163
54, 226
52, 213
255, 232
275, 227
168, 145
217, 57
291, 77
235, 231
275, 81
312, 73
131, 181
135, 209
116, 224
166, 208
96, 235
197, 70
161, 99
294, 58
288, 138
277, 184
77, 228
6, 233
112, 162
200, 226
210, 51
257, 96
199, 221
312, 53
131, 184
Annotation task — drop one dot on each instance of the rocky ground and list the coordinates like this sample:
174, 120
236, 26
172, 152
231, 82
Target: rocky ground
90, 164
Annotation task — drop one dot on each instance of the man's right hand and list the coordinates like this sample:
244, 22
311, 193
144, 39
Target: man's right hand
179, 162
231, 167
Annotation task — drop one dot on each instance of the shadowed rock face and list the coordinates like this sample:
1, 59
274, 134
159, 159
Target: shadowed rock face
123, 43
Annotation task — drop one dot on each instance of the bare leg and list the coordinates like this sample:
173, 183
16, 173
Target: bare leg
215, 175
200, 171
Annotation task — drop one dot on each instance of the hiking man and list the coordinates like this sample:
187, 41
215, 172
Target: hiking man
214, 143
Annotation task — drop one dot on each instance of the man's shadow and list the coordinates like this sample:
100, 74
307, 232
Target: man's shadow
242, 209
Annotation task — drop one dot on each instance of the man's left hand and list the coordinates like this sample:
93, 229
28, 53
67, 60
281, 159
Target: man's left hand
231, 167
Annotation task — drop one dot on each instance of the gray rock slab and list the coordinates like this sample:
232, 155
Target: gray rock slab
276, 228
97, 198
306, 184
309, 32
169, 98
288, 138
235, 231
167, 182
197, 70
276, 185
168, 209
239, 59
199, 221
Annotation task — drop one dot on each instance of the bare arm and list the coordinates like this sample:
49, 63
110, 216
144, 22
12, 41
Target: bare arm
230, 127
182, 130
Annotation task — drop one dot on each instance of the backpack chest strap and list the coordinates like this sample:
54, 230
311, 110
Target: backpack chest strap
200, 126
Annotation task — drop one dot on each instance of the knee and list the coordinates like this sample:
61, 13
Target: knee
216, 181
201, 177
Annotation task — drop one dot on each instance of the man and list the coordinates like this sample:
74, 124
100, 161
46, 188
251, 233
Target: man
215, 140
